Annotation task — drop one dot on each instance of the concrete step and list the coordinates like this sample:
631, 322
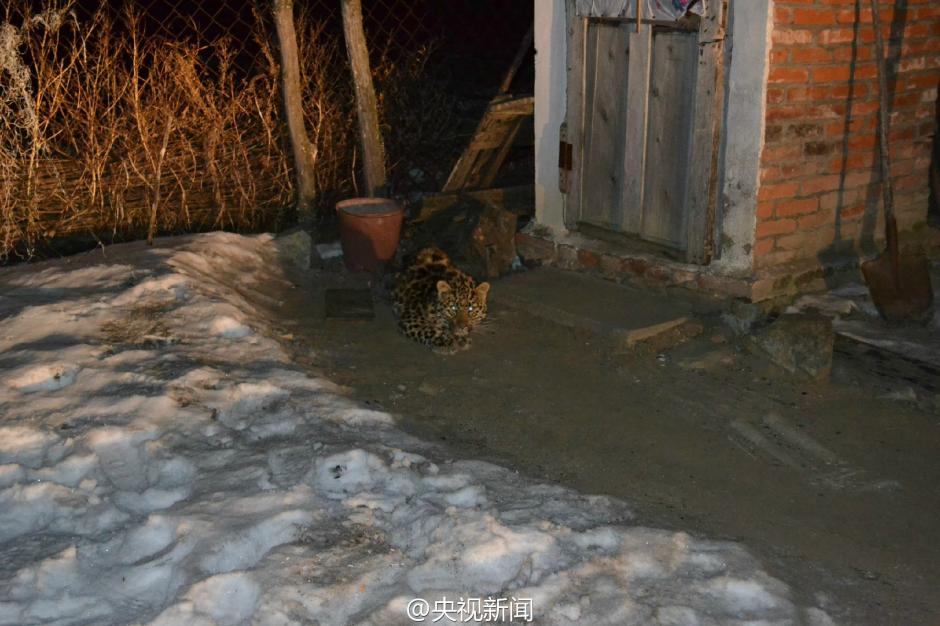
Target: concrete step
627, 315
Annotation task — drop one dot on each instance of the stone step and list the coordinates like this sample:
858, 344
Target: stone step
627, 315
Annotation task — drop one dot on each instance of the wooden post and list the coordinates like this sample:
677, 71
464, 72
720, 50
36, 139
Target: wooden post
373, 152
304, 151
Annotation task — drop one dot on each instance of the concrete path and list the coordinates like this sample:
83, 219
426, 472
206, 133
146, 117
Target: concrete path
626, 315
833, 486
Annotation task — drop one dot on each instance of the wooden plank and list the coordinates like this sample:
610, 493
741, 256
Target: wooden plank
668, 147
602, 172
500, 154
519, 199
515, 106
574, 111
634, 158
706, 129
484, 156
521, 53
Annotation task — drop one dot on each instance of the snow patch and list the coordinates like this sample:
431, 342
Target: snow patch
208, 481
229, 328
44, 378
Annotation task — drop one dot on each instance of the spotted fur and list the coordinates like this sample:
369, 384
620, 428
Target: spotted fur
437, 304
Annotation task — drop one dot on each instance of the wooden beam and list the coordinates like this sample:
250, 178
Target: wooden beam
574, 111
524, 48
370, 137
709, 105
519, 200
304, 152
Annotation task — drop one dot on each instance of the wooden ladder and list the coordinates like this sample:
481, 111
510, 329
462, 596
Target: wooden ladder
480, 162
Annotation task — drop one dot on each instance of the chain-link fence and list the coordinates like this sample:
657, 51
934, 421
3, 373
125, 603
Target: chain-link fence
485, 30
164, 115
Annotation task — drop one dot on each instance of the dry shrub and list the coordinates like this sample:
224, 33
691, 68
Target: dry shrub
103, 131
108, 133
329, 110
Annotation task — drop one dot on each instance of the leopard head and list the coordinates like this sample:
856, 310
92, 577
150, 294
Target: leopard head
463, 306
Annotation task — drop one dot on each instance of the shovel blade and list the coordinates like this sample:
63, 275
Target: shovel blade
902, 296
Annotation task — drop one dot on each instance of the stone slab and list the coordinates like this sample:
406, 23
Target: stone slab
627, 315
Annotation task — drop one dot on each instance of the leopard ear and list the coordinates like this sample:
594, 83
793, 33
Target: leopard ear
483, 289
442, 287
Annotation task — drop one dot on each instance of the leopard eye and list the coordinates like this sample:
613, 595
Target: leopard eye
470, 308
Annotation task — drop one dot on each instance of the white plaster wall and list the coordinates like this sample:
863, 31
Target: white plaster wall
550, 91
749, 28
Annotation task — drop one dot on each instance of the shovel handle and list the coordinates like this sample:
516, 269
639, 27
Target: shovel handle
886, 190
891, 237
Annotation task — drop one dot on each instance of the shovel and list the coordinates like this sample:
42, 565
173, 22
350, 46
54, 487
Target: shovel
900, 288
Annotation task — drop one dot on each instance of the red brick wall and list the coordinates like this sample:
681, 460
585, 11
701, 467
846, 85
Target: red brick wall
819, 161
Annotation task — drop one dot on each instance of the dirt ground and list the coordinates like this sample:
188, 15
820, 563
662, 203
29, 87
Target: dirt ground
835, 487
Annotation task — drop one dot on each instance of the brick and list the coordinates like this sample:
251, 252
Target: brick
912, 64
855, 125
611, 266
817, 148
763, 247
804, 129
782, 153
853, 180
905, 183
836, 35
775, 227
863, 142
813, 17
830, 201
810, 54
798, 94
797, 206
635, 267
864, 72
535, 248
588, 259
568, 258
777, 190
788, 75
852, 211
805, 112
787, 36
776, 95
851, 54
820, 184
853, 161
815, 220
831, 74
765, 210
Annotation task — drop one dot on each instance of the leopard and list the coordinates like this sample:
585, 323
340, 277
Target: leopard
437, 304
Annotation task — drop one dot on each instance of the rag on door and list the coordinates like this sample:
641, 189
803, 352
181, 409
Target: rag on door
666, 10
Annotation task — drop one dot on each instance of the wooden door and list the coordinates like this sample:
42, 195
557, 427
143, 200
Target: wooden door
643, 120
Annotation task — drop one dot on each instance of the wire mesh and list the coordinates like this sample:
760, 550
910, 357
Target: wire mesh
205, 85
482, 31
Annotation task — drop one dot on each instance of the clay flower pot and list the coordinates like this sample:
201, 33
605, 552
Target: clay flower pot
369, 229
